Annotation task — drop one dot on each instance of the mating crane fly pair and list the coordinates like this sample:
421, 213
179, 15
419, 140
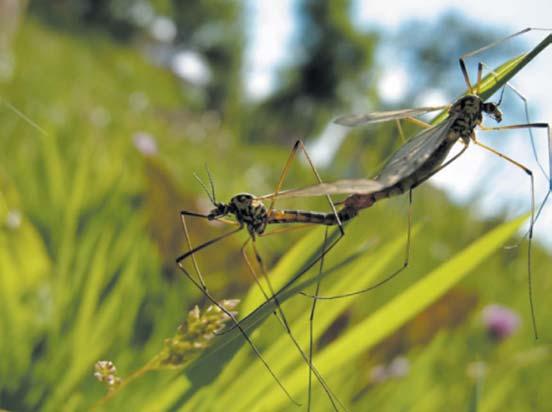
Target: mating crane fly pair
413, 163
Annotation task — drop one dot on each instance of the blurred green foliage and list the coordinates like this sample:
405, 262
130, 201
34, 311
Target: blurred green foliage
332, 59
97, 152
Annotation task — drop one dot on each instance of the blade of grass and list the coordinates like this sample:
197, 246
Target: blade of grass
241, 392
401, 309
491, 83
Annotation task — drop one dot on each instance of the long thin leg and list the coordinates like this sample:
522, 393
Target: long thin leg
532, 222
243, 332
269, 283
312, 368
286, 286
299, 275
252, 270
462, 59
191, 252
401, 133
479, 77
414, 121
291, 282
418, 122
388, 278
311, 321
254, 275
533, 148
283, 175
530, 126
203, 288
527, 121
250, 266
299, 144
259, 284
407, 254
274, 296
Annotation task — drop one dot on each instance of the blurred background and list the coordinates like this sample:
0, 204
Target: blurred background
107, 109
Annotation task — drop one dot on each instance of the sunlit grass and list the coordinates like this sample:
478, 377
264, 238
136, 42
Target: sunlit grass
90, 230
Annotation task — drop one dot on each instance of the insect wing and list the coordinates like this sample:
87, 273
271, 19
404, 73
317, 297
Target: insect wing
414, 153
345, 186
378, 117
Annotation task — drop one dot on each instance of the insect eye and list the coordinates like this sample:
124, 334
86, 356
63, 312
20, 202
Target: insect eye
490, 107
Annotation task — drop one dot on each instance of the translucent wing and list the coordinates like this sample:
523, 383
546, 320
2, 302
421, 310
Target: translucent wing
414, 153
378, 117
403, 163
346, 186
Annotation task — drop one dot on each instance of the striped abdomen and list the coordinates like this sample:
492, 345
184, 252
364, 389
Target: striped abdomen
317, 218
406, 183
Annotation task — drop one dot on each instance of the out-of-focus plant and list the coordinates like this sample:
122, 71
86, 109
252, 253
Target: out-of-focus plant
193, 336
500, 322
97, 154
334, 60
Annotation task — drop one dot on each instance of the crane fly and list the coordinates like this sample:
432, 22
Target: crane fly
424, 155
249, 213
416, 161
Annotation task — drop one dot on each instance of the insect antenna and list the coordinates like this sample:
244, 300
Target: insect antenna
211, 183
501, 96
210, 195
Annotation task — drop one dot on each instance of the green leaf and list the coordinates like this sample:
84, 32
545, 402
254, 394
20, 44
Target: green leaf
397, 312
362, 273
492, 82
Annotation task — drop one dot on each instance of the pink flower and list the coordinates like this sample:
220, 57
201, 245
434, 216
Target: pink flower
500, 321
145, 143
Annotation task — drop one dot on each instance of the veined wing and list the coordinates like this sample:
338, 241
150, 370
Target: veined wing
414, 153
378, 117
345, 186
401, 164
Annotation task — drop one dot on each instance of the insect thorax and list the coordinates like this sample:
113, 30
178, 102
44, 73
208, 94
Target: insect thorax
250, 212
468, 111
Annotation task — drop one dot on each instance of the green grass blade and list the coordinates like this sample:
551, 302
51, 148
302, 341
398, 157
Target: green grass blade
492, 82
401, 309
362, 273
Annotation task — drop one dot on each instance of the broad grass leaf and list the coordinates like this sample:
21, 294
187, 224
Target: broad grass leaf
401, 309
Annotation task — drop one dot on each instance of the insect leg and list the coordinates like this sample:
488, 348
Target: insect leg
278, 311
412, 120
462, 58
250, 266
288, 330
399, 128
527, 120
191, 252
549, 176
201, 286
532, 222
418, 122
300, 144
242, 331
253, 273
311, 322
388, 278
405, 263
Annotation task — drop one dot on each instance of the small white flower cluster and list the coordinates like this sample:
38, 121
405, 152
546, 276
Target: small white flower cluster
105, 371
